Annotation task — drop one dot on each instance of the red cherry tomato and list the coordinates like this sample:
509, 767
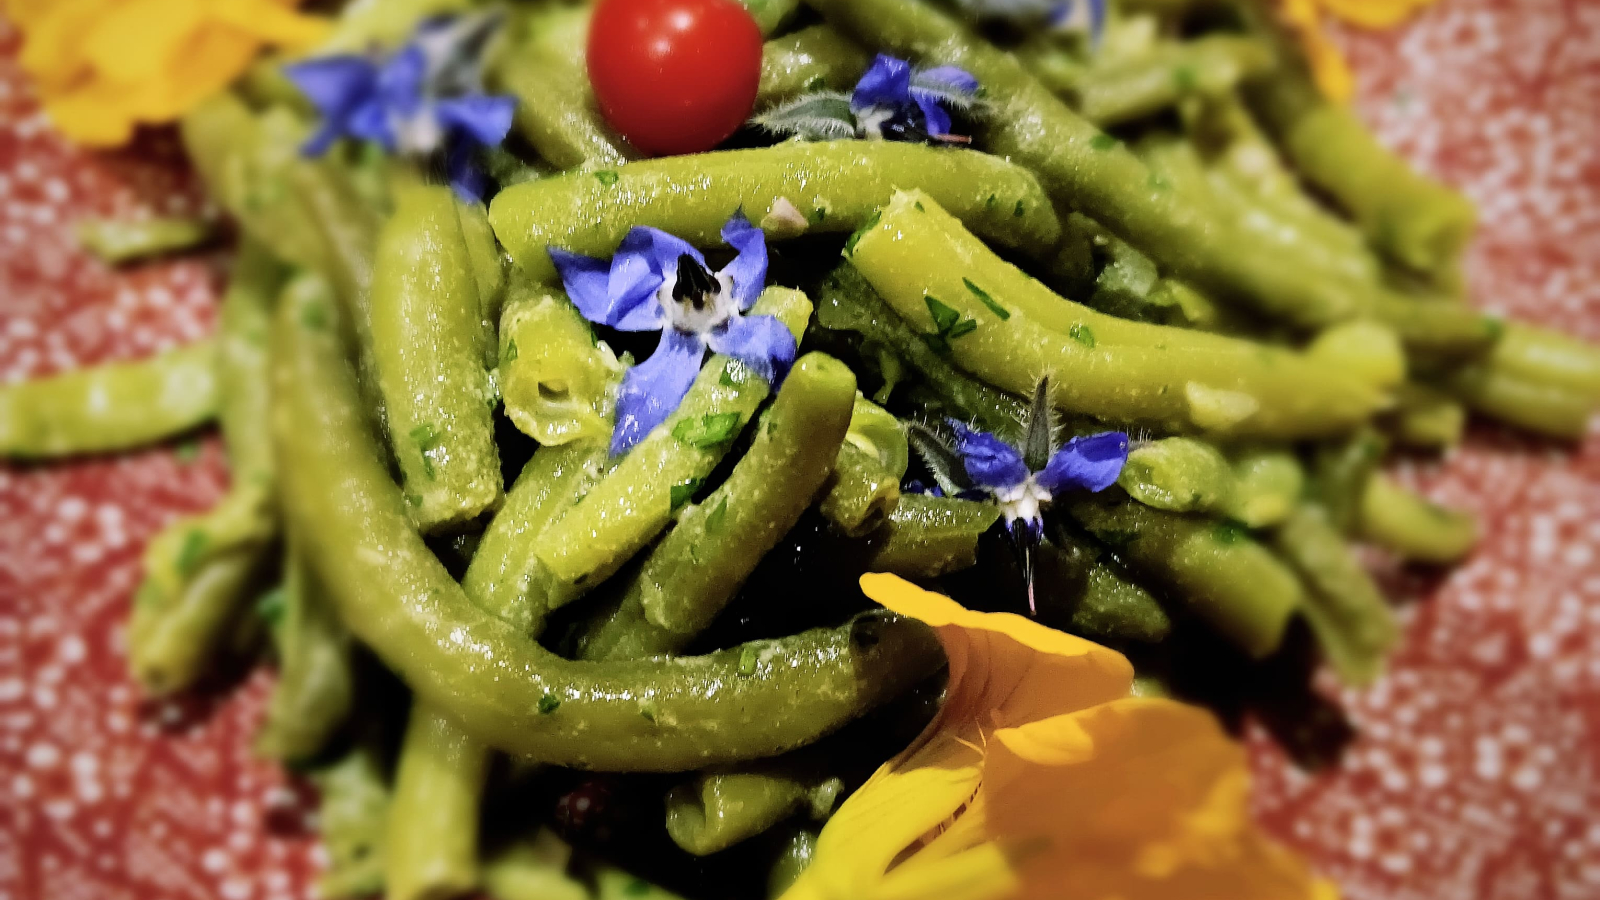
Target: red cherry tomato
674, 76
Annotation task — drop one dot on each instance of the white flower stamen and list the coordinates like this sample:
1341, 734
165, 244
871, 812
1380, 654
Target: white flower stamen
1023, 501
697, 314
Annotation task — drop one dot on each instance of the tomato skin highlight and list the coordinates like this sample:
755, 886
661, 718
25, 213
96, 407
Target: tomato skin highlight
674, 76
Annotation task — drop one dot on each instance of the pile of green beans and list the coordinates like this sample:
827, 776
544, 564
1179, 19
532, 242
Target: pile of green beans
468, 596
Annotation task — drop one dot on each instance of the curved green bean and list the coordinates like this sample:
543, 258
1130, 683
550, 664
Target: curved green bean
106, 408
117, 242
635, 501
1412, 526
1545, 409
428, 348
556, 111
837, 185
1341, 472
316, 682
1011, 331
1425, 417
757, 700
431, 840
721, 808
696, 569
930, 536
1346, 611
1178, 475
811, 59
1216, 569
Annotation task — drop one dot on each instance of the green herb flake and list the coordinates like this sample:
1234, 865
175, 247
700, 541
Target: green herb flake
919, 206
948, 325
986, 300
636, 888
993, 202
1083, 334
818, 215
729, 376
944, 317
1156, 182
314, 317
749, 659
1230, 532
273, 606
814, 83
1020, 211
683, 493
1495, 326
425, 436
548, 704
415, 500
192, 552
1117, 538
868, 225
708, 431
510, 356
187, 452
715, 519
647, 712
1185, 78
607, 177
1102, 141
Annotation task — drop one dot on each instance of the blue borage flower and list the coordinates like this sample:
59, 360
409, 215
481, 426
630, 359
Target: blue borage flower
891, 102
424, 99
1024, 482
658, 282
1083, 16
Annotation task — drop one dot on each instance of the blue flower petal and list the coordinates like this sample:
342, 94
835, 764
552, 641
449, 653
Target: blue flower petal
1089, 463
370, 122
400, 80
938, 121
467, 178
660, 248
887, 83
585, 279
483, 118
949, 79
989, 461
655, 387
335, 85
749, 269
631, 294
761, 342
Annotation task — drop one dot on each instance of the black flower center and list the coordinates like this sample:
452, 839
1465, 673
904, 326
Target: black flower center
696, 288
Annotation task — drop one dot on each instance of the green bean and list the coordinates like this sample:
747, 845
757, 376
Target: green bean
117, 242
1266, 486
930, 536
1410, 218
616, 884
1179, 475
1208, 66
1341, 473
244, 324
316, 683
810, 59
1346, 611
384, 23
861, 493
1128, 284
635, 501
1425, 417
1412, 526
878, 433
1011, 331
111, 407
757, 700
533, 869
427, 337
769, 14
351, 822
488, 269
1542, 408
1079, 591
1363, 348
837, 185
847, 302
721, 808
794, 857
696, 569
557, 380
556, 111
1216, 569
432, 835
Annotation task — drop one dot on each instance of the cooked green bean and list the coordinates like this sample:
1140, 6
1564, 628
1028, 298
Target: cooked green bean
1341, 471
769, 14
384, 23
432, 836
1266, 486
1409, 217
1425, 417
1010, 330
861, 493
1363, 348
427, 333
875, 431
117, 242
930, 536
1216, 569
718, 808
810, 59
1550, 410
1179, 475
1208, 66
316, 682
351, 821
1412, 526
696, 569
635, 501
533, 869
1119, 280
757, 700
794, 857
1547, 357
847, 302
558, 382
117, 406
1079, 591
556, 111
1346, 611
837, 185
488, 269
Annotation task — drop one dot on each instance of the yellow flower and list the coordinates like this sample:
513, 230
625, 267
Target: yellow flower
1328, 66
104, 66
1041, 778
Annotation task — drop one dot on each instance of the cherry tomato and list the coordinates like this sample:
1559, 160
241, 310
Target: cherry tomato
674, 76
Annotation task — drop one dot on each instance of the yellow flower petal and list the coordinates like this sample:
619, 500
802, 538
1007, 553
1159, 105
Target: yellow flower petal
1374, 14
272, 21
134, 39
1041, 776
1328, 68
